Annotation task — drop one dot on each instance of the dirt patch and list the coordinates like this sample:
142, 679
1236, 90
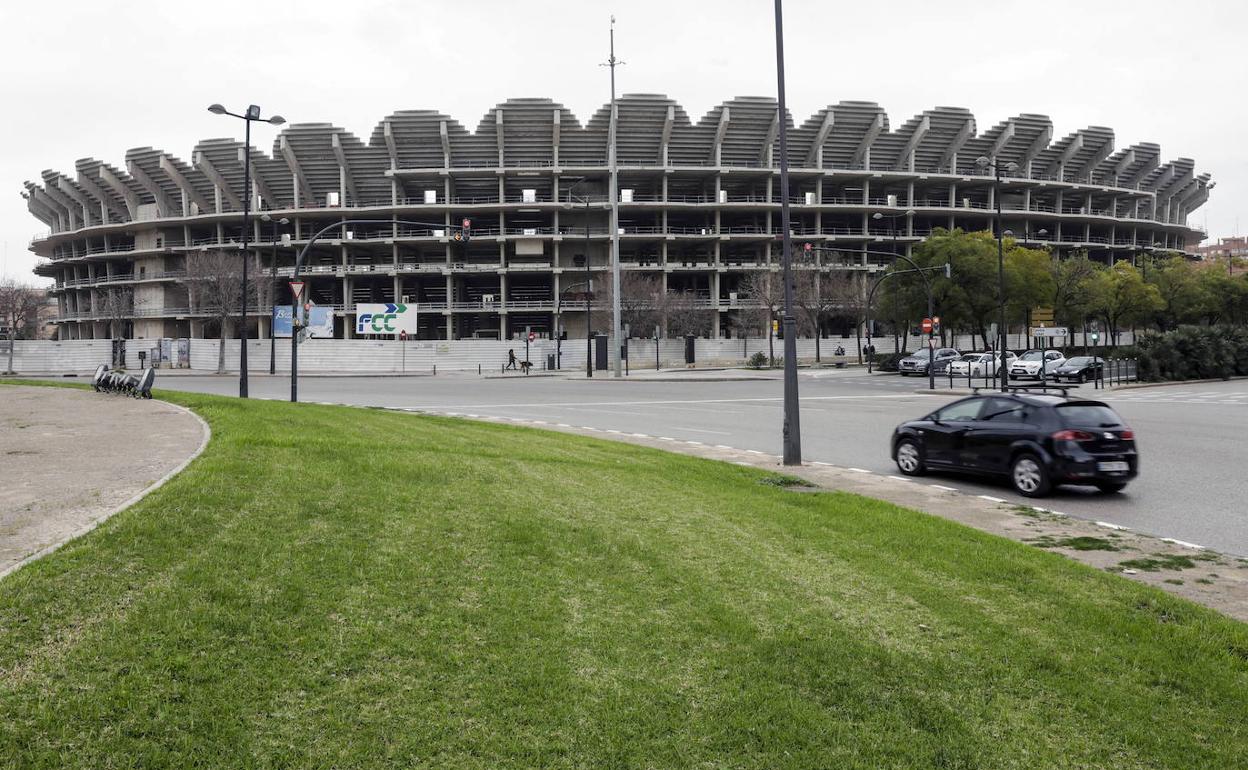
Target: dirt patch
72, 457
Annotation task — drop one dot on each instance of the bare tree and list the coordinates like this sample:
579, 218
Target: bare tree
19, 312
116, 304
816, 300
642, 301
765, 291
845, 294
214, 281
685, 315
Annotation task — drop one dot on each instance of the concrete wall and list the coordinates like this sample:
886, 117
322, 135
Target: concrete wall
333, 355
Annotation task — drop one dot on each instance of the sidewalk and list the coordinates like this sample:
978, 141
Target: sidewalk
72, 458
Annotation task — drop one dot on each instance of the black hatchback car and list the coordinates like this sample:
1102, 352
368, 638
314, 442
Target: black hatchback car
1080, 369
1035, 439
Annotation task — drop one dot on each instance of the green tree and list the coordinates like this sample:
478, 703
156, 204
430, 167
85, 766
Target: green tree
1183, 296
1120, 296
1225, 299
1028, 280
1072, 289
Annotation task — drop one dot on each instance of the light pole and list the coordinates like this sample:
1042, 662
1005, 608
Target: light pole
612, 163
252, 115
892, 226
273, 224
985, 162
792, 417
589, 342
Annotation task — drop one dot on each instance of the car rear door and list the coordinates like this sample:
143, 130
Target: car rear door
1001, 423
944, 437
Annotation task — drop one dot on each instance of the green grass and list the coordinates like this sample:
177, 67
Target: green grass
1079, 543
335, 587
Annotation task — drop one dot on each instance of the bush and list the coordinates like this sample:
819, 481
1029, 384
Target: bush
757, 361
1193, 353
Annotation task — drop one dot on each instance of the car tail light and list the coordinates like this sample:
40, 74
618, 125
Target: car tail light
1127, 435
1072, 435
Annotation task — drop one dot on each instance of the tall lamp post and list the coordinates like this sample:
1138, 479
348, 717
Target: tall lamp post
252, 115
892, 226
792, 417
985, 162
273, 224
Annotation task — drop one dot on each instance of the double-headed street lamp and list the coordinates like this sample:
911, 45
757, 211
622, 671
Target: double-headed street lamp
892, 226
985, 162
252, 115
273, 225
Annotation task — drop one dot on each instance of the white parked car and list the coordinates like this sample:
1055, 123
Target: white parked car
979, 364
1037, 364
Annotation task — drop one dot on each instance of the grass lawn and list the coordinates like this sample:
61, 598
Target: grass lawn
336, 587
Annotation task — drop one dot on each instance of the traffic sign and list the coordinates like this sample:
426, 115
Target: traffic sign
927, 325
403, 335
1056, 331
296, 288
1042, 315
532, 336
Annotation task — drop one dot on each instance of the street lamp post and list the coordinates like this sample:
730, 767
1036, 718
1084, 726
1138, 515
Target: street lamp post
892, 226
252, 115
792, 419
985, 162
273, 224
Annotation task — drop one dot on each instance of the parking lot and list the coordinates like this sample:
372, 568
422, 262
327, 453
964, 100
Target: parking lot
1189, 436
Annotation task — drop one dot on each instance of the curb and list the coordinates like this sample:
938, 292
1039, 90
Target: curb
203, 444
1177, 382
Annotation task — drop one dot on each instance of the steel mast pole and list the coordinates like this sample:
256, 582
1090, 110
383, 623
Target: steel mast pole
615, 217
242, 353
792, 420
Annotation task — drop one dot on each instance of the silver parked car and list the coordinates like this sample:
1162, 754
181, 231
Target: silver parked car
917, 363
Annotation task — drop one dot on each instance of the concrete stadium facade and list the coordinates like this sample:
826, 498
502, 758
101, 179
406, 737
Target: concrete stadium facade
699, 209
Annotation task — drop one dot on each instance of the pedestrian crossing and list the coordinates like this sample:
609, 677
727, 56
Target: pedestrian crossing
1167, 396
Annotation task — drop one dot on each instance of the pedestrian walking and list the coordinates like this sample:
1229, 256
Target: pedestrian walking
511, 359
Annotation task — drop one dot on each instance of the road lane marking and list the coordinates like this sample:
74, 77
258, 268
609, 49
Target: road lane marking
900, 478
1184, 544
991, 499
859, 470
1108, 525
941, 486
585, 404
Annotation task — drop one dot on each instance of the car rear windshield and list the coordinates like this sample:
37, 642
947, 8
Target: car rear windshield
1079, 361
1088, 415
1032, 355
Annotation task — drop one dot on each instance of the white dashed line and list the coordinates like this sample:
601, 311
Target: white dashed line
1184, 544
1059, 513
859, 470
1038, 509
666, 438
1108, 525
615, 432
741, 462
695, 443
939, 486
639, 435
990, 498
538, 422
900, 478
754, 452
590, 427
722, 446
826, 465
562, 425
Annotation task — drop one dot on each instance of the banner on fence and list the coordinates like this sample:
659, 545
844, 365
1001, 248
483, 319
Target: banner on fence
320, 322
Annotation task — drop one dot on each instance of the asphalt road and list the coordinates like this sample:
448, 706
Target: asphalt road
1191, 437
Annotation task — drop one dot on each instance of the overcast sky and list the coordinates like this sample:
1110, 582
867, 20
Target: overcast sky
94, 78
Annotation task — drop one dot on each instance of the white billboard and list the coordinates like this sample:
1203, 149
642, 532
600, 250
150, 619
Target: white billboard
388, 319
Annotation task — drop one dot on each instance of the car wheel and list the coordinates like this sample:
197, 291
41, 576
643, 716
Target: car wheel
1029, 476
1111, 487
1082, 378
909, 458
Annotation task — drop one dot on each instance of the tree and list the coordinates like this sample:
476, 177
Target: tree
970, 299
816, 297
642, 302
1182, 294
214, 281
685, 315
765, 291
1072, 284
19, 312
1120, 296
117, 306
1225, 297
1029, 281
